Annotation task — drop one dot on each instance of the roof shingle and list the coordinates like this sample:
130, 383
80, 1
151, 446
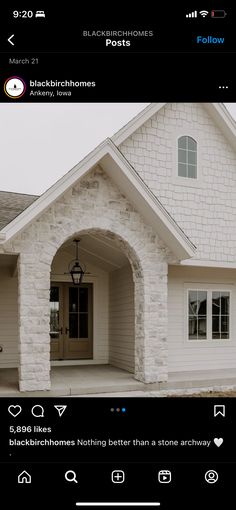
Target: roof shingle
12, 204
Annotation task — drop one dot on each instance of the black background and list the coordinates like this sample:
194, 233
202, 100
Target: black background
166, 67
144, 418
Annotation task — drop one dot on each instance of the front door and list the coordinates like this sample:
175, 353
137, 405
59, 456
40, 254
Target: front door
71, 321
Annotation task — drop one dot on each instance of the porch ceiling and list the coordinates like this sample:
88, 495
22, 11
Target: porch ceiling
98, 250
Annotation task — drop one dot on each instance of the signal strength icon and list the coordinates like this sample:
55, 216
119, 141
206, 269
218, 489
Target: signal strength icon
192, 14
204, 13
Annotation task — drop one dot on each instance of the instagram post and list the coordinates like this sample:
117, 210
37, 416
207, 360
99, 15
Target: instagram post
117, 259
114, 277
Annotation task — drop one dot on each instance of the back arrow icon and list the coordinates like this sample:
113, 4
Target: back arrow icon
10, 40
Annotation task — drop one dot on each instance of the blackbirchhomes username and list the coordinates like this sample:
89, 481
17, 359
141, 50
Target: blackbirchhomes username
64, 83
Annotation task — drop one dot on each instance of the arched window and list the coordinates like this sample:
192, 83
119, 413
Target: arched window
187, 157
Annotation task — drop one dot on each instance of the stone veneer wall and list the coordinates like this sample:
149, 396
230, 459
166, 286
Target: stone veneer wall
93, 204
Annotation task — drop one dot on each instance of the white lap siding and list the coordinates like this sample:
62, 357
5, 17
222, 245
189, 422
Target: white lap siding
184, 355
8, 320
121, 332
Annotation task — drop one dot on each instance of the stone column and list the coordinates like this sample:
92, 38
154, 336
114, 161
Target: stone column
151, 348
33, 313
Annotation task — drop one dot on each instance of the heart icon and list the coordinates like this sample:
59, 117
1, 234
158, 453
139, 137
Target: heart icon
218, 441
14, 410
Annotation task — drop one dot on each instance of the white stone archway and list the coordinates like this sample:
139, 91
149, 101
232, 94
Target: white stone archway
94, 204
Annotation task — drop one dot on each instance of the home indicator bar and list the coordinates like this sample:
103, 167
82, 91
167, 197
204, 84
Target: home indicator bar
119, 504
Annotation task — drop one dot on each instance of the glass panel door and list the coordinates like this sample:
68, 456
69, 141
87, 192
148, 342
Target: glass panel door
78, 312
56, 318
71, 321
54, 312
73, 312
78, 317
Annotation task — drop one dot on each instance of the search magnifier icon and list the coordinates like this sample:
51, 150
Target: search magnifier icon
70, 476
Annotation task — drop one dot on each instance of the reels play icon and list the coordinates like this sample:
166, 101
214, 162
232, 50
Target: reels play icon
164, 476
14, 87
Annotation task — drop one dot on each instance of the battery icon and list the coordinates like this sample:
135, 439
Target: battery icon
218, 14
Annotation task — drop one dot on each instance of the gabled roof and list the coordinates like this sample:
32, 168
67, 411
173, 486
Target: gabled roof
12, 204
217, 111
128, 180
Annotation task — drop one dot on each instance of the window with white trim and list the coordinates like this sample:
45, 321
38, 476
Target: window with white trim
187, 157
220, 314
208, 314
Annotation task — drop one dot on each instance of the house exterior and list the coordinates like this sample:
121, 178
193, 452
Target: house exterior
154, 208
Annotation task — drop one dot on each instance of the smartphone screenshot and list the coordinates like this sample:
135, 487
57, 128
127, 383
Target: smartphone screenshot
117, 257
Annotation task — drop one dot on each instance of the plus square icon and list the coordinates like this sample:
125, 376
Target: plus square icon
118, 476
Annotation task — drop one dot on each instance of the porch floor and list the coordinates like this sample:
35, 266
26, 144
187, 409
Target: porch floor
105, 379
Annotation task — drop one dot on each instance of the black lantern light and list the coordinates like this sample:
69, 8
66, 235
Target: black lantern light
75, 269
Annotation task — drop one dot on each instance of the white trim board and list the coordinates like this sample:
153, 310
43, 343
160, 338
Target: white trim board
207, 263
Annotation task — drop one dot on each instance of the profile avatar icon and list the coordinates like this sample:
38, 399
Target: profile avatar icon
14, 87
211, 476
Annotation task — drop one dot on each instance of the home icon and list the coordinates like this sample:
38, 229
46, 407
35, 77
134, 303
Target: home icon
24, 477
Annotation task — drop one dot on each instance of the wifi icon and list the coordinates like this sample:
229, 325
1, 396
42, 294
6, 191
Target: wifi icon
204, 13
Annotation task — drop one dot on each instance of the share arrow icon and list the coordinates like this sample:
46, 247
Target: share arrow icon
61, 409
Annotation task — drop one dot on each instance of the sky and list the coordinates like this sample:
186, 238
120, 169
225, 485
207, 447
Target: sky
39, 143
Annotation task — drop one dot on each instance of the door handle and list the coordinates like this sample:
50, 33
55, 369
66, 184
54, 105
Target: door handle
61, 330
67, 330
